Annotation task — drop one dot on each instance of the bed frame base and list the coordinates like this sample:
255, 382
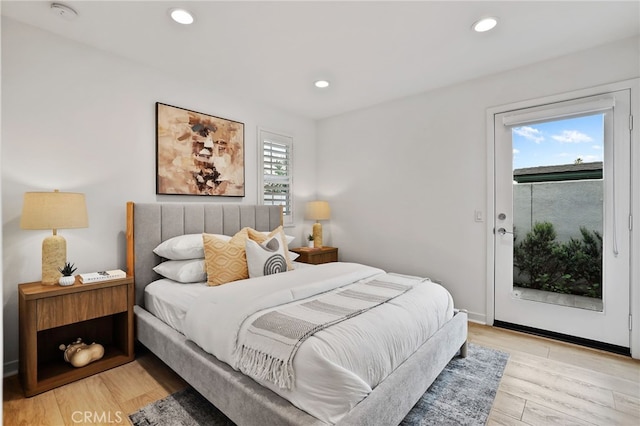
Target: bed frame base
247, 403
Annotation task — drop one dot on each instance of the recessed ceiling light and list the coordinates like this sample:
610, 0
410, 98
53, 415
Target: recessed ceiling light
181, 16
485, 24
321, 84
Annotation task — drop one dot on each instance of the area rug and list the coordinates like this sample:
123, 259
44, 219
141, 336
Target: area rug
462, 395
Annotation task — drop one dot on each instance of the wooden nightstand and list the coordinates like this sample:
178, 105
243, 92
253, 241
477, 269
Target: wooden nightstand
316, 256
51, 315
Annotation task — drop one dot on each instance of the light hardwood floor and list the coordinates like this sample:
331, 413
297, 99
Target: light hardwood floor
545, 383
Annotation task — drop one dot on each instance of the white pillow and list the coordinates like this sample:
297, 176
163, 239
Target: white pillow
293, 255
182, 247
266, 258
183, 271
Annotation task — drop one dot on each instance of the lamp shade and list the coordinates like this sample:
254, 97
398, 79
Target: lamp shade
54, 210
317, 210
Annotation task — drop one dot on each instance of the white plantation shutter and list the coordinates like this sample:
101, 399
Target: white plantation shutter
276, 172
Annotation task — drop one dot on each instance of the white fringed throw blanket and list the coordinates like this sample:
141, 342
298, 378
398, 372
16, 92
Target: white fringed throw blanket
274, 337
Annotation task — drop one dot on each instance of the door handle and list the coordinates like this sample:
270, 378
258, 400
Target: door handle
503, 231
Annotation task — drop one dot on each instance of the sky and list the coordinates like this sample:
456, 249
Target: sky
559, 142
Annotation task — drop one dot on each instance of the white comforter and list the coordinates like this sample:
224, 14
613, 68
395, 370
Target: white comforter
337, 367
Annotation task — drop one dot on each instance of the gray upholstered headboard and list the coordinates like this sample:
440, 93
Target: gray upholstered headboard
148, 224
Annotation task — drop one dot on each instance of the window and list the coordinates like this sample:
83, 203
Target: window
276, 172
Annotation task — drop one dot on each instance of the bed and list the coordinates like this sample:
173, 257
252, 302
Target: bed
242, 398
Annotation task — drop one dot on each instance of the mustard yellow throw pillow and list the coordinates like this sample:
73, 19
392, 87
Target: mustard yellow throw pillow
225, 261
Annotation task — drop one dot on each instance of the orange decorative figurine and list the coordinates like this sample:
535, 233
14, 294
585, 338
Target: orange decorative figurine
80, 354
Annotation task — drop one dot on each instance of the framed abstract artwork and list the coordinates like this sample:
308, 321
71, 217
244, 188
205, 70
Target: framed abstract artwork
198, 154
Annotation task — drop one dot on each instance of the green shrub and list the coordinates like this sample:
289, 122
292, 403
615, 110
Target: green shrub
574, 267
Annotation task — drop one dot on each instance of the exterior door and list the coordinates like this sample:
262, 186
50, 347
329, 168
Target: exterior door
562, 214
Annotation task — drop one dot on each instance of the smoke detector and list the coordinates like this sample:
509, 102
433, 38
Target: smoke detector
64, 11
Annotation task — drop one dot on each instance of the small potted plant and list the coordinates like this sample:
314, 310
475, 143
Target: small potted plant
67, 277
310, 241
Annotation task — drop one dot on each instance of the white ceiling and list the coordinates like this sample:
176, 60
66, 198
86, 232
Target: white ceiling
271, 52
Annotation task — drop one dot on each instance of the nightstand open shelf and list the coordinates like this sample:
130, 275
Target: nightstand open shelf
51, 315
56, 373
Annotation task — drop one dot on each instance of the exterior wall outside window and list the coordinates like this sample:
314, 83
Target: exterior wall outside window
568, 205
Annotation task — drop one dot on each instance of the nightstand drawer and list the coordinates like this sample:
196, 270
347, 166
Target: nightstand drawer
323, 258
71, 308
316, 256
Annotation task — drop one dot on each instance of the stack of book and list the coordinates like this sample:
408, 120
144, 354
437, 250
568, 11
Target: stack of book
96, 277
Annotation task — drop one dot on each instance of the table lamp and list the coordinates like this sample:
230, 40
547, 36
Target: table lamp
53, 210
317, 210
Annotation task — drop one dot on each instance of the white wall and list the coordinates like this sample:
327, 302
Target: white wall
78, 119
404, 178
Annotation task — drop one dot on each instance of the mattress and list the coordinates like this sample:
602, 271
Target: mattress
169, 300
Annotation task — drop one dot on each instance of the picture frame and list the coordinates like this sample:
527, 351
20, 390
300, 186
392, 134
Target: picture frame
198, 154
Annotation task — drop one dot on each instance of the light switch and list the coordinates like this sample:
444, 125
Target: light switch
477, 215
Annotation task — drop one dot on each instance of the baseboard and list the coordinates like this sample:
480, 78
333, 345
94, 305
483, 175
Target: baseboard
476, 317
10, 368
621, 350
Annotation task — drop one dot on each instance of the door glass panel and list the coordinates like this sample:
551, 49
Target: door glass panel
558, 197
